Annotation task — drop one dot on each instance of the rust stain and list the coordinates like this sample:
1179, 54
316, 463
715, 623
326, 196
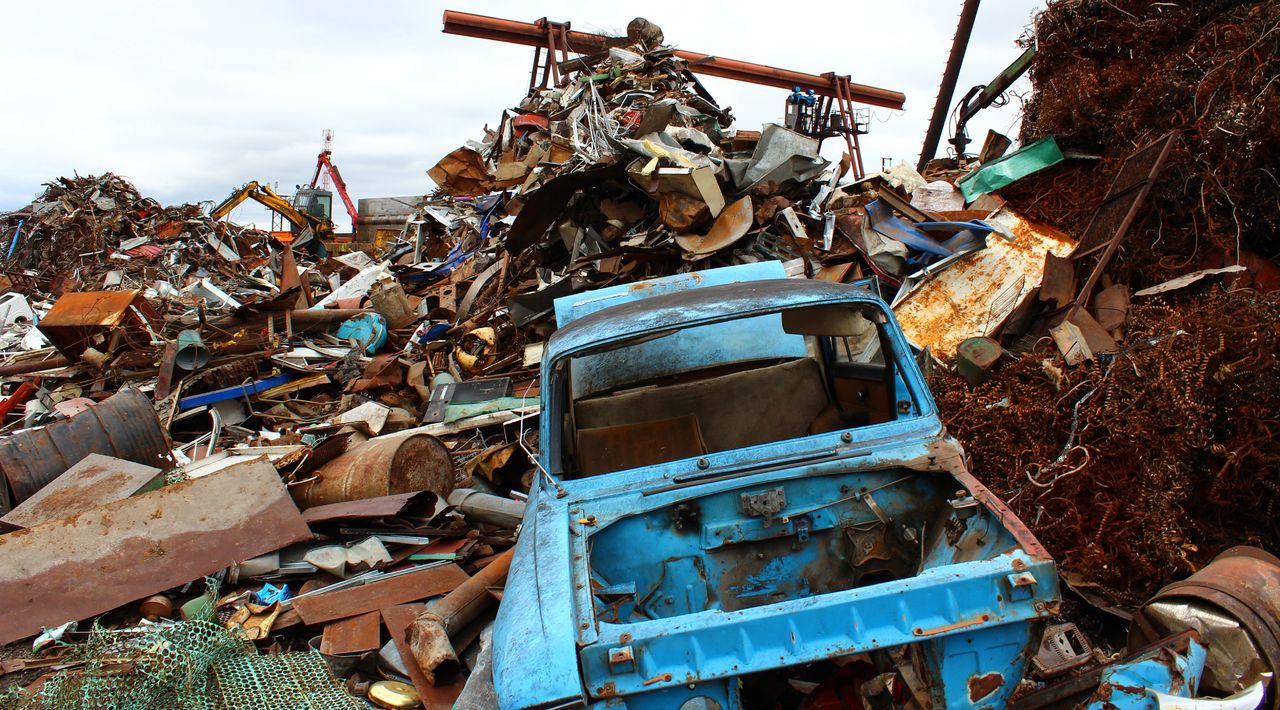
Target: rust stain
980, 686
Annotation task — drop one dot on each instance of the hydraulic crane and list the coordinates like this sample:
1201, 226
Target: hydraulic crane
326, 169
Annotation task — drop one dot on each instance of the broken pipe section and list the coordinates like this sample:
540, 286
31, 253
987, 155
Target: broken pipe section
430, 635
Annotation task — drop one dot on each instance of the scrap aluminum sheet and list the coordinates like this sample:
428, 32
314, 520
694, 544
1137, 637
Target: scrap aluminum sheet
93, 562
975, 294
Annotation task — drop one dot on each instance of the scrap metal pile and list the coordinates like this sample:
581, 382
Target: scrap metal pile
1171, 447
343, 444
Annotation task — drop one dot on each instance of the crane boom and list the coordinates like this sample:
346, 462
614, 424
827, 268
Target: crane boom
267, 197
324, 162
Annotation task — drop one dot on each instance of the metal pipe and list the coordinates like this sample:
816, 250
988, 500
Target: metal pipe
16, 234
531, 35
946, 91
317, 316
487, 508
30, 366
429, 635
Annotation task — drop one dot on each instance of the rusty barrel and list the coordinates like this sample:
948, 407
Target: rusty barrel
1242, 582
124, 426
385, 465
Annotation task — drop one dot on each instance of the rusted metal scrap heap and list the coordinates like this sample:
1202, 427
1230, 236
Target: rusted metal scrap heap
226, 452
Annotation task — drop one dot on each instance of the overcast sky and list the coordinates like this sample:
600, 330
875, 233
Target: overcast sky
190, 100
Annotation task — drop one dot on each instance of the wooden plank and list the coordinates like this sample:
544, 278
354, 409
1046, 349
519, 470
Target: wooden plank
428, 582
353, 634
120, 552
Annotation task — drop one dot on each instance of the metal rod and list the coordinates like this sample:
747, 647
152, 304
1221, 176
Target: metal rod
946, 91
529, 34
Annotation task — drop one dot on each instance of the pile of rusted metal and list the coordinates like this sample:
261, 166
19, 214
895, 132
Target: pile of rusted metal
1168, 442
342, 444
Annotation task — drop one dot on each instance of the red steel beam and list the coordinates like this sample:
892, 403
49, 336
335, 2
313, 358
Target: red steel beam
532, 35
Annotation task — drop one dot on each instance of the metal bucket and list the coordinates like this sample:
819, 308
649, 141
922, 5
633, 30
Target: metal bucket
192, 353
124, 426
398, 463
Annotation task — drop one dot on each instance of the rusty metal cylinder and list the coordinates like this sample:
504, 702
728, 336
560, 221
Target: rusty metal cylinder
487, 508
1242, 582
385, 465
430, 633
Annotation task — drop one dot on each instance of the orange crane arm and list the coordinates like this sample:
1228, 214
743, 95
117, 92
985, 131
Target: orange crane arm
325, 162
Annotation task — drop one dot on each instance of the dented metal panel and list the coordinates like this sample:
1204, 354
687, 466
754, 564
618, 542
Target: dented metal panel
975, 294
127, 550
124, 426
95, 480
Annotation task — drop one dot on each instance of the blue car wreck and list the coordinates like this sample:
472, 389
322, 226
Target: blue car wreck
742, 473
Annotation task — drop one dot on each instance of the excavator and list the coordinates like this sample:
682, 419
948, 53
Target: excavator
310, 214
307, 215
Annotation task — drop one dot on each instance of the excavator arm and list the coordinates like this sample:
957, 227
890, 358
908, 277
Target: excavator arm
267, 197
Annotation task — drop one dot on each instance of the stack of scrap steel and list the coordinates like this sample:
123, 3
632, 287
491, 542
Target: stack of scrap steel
232, 466
1142, 464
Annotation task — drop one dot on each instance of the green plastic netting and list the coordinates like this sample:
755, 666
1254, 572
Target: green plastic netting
194, 664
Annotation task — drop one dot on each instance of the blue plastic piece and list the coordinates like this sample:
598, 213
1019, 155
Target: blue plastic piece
369, 330
17, 234
884, 222
233, 392
654, 586
270, 594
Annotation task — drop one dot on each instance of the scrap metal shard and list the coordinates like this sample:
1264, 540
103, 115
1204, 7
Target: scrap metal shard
95, 480
98, 560
973, 296
354, 634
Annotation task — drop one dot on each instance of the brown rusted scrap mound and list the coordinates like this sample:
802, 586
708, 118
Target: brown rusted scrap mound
91, 224
1180, 443
1113, 75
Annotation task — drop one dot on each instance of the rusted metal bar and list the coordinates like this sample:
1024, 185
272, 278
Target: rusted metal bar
529, 34
429, 636
419, 584
27, 367
947, 90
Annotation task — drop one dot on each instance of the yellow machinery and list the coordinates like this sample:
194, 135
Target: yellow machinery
309, 212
